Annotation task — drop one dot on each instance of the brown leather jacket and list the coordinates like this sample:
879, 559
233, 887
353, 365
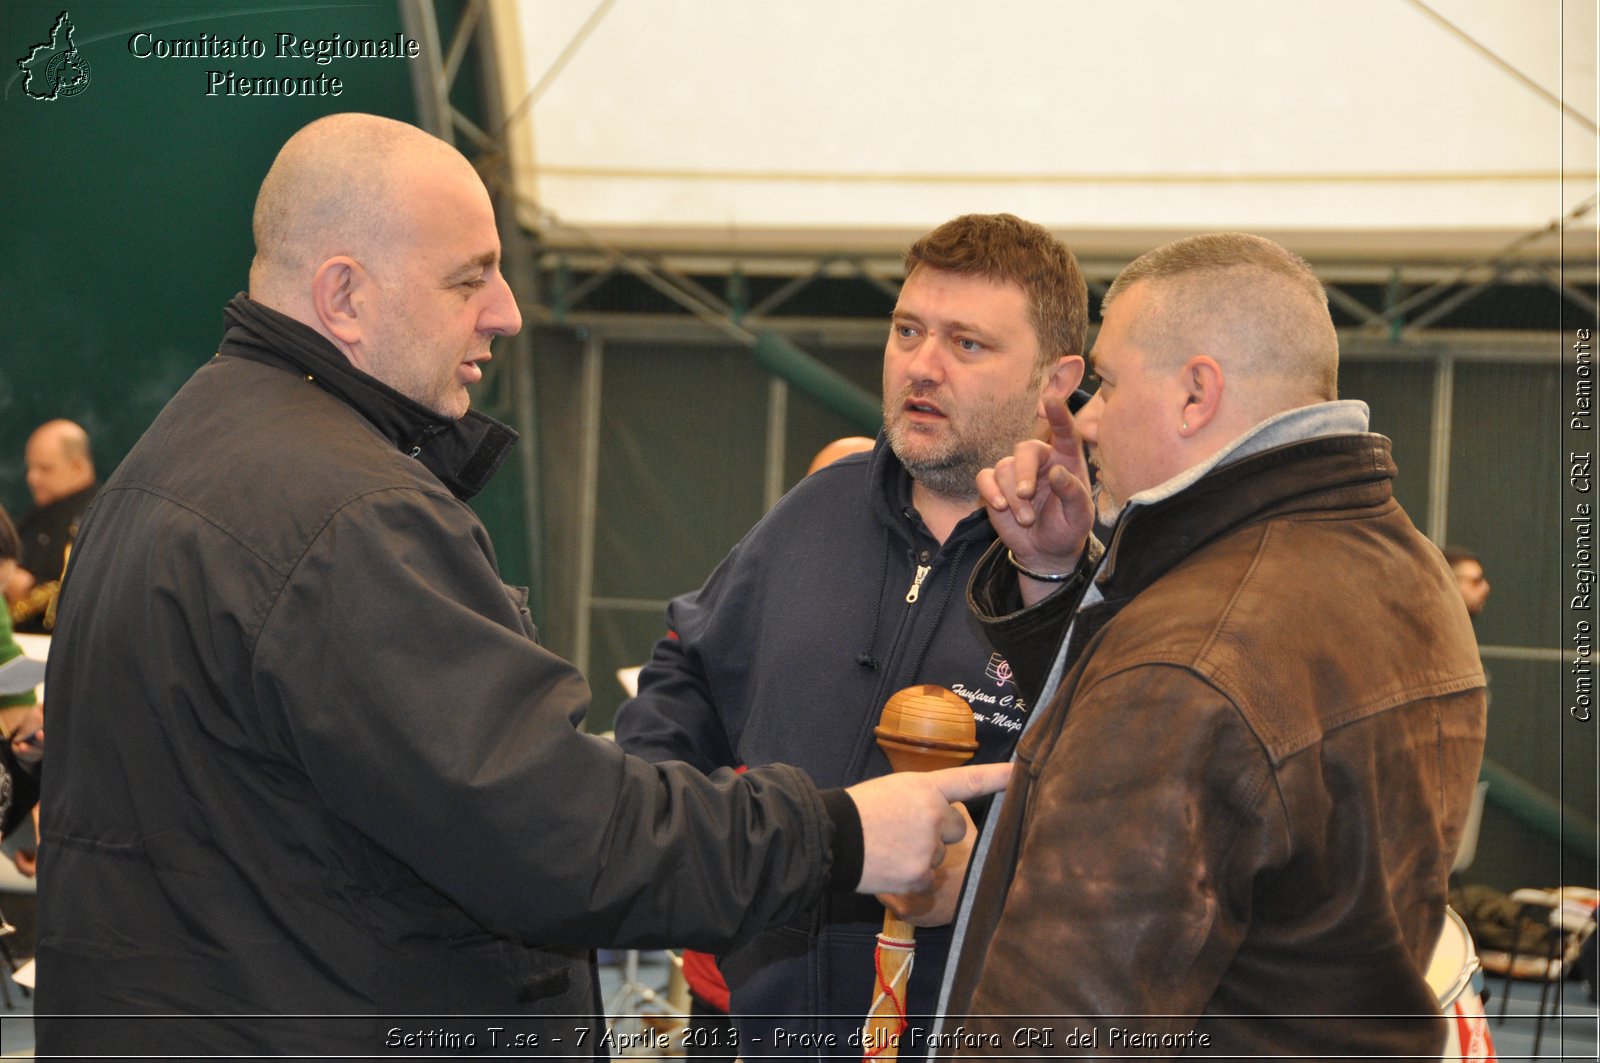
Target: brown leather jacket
1230, 831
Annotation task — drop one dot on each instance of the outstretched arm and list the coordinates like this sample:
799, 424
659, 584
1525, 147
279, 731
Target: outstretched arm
908, 822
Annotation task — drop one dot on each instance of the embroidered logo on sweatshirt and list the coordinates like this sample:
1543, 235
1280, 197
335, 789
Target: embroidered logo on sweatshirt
995, 707
998, 669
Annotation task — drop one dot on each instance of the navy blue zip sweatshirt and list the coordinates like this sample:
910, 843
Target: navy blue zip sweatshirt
838, 598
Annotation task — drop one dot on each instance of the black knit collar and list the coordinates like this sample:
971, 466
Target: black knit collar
463, 454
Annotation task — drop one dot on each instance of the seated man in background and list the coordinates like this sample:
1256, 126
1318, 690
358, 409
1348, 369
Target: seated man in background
60, 474
850, 589
1260, 713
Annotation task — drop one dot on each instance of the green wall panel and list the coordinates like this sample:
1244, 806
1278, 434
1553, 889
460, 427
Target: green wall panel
1400, 395
125, 209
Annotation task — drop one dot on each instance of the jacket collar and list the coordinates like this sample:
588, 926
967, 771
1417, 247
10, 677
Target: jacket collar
1333, 418
78, 500
463, 454
1348, 471
888, 488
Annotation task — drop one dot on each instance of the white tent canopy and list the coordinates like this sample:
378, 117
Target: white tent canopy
1350, 129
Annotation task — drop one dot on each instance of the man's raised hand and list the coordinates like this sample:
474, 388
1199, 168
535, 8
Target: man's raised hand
1039, 499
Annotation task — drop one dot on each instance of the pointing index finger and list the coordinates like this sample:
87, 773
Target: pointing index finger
1063, 429
970, 780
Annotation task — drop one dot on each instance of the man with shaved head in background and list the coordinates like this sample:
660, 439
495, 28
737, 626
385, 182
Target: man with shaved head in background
1260, 722
306, 758
60, 474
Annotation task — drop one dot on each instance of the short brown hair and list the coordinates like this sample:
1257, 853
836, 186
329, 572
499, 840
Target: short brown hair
1004, 248
1265, 298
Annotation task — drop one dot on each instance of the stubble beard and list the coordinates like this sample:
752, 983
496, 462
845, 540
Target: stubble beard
408, 370
1107, 506
949, 467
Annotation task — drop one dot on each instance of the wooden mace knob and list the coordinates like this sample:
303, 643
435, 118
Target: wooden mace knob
927, 727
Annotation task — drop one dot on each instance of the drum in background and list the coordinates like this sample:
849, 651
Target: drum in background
1454, 977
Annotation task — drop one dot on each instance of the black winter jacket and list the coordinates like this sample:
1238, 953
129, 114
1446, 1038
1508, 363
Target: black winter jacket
307, 760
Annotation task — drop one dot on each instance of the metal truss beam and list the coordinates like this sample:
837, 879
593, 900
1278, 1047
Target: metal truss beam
570, 285
433, 78
471, 47
1464, 345
690, 280
1437, 289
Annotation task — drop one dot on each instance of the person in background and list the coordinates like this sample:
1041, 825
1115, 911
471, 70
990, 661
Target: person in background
13, 707
1470, 580
839, 448
61, 479
851, 589
21, 723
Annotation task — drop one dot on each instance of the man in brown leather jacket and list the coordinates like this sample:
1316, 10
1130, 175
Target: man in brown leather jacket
1261, 711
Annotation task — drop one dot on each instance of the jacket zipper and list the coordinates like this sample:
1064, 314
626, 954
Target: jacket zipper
890, 679
916, 584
